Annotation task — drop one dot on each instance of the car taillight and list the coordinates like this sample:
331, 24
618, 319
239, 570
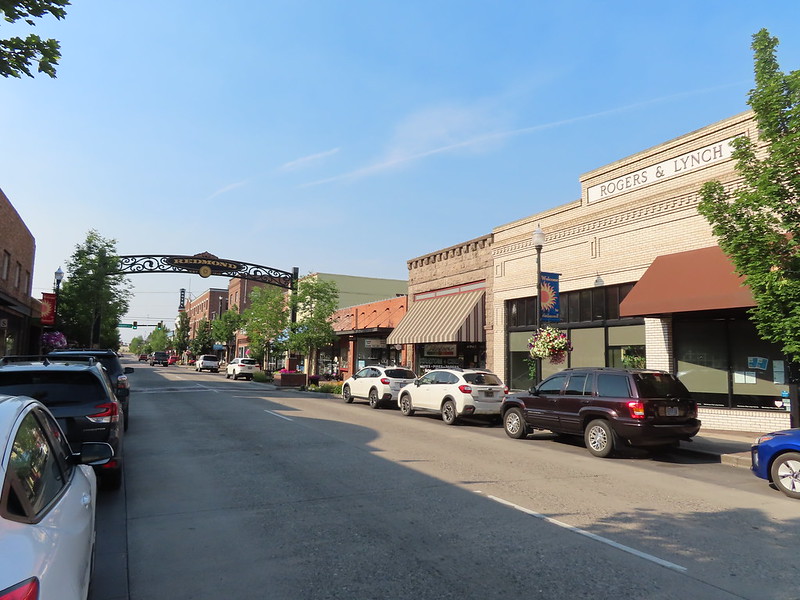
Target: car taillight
109, 413
465, 389
26, 590
385, 381
505, 390
636, 409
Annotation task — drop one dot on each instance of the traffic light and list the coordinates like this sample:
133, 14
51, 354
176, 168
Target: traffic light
135, 325
160, 325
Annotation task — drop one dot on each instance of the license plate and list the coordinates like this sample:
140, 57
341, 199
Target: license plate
489, 393
673, 411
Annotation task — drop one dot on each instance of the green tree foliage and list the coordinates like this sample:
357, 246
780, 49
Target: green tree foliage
181, 338
225, 327
266, 321
315, 302
159, 340
758, 221
18, 55
92, 300
203, 342
137, 345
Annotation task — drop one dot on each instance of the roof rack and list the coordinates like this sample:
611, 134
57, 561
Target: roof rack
45, 360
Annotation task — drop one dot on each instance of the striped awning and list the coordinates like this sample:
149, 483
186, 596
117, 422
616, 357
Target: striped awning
452, 318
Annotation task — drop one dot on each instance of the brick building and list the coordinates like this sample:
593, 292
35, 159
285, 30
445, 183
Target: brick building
19, 312
640, 278
207, 306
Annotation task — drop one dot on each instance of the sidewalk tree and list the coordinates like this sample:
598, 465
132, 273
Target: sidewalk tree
159, 339
202, 343
225, 327
315, 302
91, 301
181, 339
136, 345
758, 220
18, 55
266, 321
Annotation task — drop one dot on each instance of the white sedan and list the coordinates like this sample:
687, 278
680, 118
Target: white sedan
47, 509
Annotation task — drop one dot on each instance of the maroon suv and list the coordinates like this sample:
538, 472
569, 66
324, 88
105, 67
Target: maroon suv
606, 406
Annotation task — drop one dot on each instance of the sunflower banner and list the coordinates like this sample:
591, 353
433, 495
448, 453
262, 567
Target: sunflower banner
549, 301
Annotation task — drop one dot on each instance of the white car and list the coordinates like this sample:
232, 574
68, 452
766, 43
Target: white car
377, 384
207, 361
454, 393
240, 367
47, 510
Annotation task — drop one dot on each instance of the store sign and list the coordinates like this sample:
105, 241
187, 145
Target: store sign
374, 343
204, 264
664, 170
440, 350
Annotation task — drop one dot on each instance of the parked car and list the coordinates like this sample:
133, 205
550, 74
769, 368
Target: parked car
776, 458
159, 358
81, 398
172, 360
117, 373
240, 367
207, 361
608, 407
143, 357
47, 509
377, 384
454, 393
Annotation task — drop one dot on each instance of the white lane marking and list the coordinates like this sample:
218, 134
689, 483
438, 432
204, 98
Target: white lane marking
277, 415
628, 549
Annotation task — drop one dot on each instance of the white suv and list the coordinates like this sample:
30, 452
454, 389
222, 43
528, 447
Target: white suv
454, 393
240, 367
207, 361
377, 384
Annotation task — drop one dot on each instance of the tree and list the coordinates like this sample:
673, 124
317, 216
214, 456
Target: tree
91, 300
315, 302
159, 340
17, 55
136, 345
202, 343
181, 339
225, 327
758, 221
266, 321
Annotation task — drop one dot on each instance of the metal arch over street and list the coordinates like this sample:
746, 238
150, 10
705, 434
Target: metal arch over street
206, 264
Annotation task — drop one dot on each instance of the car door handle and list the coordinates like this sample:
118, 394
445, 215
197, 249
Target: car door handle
86, 501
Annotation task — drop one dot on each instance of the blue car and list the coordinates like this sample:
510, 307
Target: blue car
776, 458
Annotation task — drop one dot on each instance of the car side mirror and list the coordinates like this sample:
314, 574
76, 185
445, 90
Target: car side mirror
93, 453
416, 382
127, 370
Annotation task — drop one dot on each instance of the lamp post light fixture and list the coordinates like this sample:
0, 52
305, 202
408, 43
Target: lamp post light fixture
538, 243
59, 275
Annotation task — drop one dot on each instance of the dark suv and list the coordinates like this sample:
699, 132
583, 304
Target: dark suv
116, 372
159, 358
606, 406
79, 394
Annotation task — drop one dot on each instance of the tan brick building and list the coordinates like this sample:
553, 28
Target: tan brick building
19, 312
640, 278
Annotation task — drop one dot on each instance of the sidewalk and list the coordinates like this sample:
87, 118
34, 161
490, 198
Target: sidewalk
732, 447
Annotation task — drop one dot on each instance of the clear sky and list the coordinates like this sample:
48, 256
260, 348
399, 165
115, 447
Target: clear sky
350, 136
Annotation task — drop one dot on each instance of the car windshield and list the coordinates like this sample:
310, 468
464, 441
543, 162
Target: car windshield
660, 385
400, 374
482, 379
214, 358
53, 387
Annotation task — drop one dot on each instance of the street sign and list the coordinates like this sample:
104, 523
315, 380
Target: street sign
128, 325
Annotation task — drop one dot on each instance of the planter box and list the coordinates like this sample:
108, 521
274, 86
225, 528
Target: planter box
290, 379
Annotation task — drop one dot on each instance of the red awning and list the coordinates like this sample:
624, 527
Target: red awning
703, 279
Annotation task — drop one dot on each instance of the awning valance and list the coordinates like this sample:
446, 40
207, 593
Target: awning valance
453, 318
696, 280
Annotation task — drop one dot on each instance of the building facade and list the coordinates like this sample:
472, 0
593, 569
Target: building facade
206, 307
19, 312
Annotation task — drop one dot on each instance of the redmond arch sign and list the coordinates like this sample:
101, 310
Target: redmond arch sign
206, 264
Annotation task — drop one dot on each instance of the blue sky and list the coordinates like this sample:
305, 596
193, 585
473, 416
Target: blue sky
349, 137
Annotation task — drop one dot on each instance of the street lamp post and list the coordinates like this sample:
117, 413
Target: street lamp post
538, 243
59, 275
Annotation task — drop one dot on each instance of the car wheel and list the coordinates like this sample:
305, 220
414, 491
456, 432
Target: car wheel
599, 438
449, 414
785, 472
215, 370
514, 424
227, 375
346, 394
235, 377
373, 399
405, 405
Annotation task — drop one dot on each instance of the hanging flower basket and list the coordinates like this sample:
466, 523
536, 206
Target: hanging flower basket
52, 340
549, 343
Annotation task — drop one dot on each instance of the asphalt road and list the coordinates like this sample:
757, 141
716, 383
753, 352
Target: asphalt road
235, 491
